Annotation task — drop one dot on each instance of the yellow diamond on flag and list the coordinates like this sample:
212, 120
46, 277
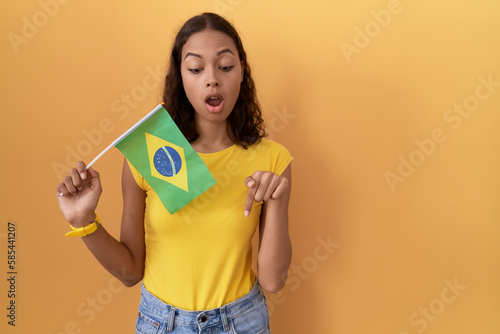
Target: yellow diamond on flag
167, 161
168, 168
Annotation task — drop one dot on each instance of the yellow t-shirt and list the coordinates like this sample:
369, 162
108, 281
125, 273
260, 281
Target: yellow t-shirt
200, 257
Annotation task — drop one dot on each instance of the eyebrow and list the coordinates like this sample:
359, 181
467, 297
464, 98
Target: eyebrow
224, 51
201, 57
193, 54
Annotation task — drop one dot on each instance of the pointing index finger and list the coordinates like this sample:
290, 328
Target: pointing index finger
251, 184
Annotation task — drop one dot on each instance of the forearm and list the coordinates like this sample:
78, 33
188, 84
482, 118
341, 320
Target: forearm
114, 256
78, 197
275, 251
274, 260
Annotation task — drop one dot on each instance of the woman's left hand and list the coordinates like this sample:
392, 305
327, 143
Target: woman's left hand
263, 186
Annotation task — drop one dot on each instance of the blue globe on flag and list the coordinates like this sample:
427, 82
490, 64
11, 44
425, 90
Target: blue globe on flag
167, 161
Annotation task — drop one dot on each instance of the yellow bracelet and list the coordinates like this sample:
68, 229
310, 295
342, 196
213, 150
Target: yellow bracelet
83, 231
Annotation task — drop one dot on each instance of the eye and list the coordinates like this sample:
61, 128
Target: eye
226, 68
194, 70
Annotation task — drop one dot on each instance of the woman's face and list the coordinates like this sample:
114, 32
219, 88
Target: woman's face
211, 74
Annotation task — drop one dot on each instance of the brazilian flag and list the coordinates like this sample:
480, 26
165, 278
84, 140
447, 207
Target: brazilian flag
161, 154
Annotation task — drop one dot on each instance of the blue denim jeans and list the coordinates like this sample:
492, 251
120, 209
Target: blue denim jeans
246, 315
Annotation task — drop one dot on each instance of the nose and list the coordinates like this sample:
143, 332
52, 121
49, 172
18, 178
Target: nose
213, 83
211, 78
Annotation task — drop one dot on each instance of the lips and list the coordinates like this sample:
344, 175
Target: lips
214, 102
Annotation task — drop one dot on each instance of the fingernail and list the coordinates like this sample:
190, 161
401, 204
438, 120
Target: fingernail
251, 183
247, 213
60, 195
83, 175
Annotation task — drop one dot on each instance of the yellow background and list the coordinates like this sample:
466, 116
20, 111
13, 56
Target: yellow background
348, 119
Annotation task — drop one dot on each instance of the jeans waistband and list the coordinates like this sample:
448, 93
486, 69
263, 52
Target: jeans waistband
177, 315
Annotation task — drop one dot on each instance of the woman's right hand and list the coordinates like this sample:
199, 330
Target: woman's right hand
79, 194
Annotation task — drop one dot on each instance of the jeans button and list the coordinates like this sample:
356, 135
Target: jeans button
203, 318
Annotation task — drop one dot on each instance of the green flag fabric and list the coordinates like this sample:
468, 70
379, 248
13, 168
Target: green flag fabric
162, 155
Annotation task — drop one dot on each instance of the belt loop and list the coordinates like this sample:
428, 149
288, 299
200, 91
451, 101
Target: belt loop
171, 318
224, 318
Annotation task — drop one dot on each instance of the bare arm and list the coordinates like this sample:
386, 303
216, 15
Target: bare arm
125, 258
275, 249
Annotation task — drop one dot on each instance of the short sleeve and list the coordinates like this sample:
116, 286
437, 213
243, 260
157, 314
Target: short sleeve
141, 182
280, 157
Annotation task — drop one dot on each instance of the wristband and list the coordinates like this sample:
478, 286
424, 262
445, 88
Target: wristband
86, 230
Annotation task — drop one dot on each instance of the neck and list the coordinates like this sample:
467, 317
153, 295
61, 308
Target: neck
213, 137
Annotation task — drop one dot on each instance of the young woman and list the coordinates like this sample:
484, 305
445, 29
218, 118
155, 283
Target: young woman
195, 264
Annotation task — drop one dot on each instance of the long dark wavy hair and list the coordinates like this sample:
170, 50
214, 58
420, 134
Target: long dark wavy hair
245, 125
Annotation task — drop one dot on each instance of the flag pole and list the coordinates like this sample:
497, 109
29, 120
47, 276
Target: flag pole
100, 155
126, 133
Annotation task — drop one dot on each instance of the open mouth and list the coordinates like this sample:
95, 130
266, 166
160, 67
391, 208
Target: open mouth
214, 103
